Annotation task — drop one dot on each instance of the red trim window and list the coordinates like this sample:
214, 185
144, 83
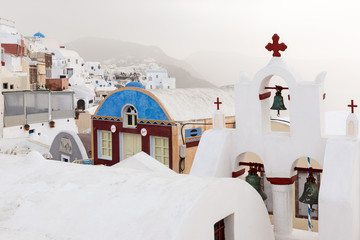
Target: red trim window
219, 230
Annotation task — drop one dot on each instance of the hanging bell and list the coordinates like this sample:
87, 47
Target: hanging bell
278, 103
254, 180
311, 191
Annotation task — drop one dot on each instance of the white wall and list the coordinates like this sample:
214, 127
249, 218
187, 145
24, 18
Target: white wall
168, 206
43, 133
58, 67
247, 216
158, 79
339, 191
279, 151
94, 68
13, 63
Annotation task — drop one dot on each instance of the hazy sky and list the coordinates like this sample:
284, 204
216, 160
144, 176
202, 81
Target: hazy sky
180, 27
320, 34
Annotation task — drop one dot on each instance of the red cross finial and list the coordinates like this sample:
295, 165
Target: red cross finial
275, 46
217, 103
352, 106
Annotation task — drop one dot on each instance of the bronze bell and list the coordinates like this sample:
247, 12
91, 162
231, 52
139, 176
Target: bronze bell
311, 191
278, 103
254, 180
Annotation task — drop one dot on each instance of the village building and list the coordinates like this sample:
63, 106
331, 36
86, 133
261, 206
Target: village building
84, 95
39, 115
158, 79
35, 43
102, 87
94, 69
47, 70
71, 63
43, 71
58, 65
67, 72
165, 123
13, 81
12, 52
11, 40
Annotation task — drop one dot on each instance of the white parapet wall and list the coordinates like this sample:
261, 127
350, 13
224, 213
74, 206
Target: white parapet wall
41, 131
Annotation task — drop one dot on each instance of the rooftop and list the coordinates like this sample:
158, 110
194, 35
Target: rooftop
186, 104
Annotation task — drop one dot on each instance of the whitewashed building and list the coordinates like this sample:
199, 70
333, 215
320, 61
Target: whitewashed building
72, 63
68, 63
221, 151
12, 52
29, 113
158, 79
94, 69
58, 65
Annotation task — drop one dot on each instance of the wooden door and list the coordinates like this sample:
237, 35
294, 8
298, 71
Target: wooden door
132, 144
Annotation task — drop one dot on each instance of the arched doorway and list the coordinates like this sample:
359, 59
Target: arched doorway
81, 104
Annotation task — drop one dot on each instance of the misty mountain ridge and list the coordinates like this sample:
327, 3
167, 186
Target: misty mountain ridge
121, 53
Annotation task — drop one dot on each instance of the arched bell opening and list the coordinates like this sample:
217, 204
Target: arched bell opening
306, 193
249, 167
274, 95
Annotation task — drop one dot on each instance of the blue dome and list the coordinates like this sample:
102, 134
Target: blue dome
135, 84
39, 34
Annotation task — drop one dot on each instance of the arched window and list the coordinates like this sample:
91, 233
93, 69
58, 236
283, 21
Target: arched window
130, 117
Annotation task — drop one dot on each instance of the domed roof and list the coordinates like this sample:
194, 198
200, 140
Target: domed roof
135, 84
39, 34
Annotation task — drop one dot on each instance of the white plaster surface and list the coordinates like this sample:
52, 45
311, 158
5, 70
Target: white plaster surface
92, 110
43, 133
279, 151
213, 157
185, 104
297, 234
21, 146
218, 119
336, 122
352, 125
283, 208
339, 192
144, 162
43, 199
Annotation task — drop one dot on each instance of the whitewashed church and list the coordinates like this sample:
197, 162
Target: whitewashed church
222, 150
